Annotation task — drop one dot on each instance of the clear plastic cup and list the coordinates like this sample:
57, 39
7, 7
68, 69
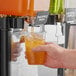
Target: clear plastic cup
36, 58
33, 39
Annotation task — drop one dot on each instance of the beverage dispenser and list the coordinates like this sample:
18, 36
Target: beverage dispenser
12, 21
32, 12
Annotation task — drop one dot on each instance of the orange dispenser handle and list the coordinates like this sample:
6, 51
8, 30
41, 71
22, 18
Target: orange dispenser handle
31, 8
14, 7
31, 11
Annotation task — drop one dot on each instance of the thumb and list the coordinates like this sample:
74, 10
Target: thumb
40, 48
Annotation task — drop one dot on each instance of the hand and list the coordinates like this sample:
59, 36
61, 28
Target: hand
15, 51
53, 56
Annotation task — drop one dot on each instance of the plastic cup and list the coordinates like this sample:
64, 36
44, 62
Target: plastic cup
35, 58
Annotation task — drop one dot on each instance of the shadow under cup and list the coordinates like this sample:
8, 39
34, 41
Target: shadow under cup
35, 58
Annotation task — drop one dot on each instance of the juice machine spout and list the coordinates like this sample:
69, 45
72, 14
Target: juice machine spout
52, 19
38, 21
17, 11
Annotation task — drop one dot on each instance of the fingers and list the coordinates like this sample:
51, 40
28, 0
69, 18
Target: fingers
46, 43
15, 51
40, 48
17, 44
14, 57
47, 47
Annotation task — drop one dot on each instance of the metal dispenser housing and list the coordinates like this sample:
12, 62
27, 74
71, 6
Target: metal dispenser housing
6, 23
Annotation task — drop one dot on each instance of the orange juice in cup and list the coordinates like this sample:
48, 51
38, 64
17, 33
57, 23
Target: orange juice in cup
34, 58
